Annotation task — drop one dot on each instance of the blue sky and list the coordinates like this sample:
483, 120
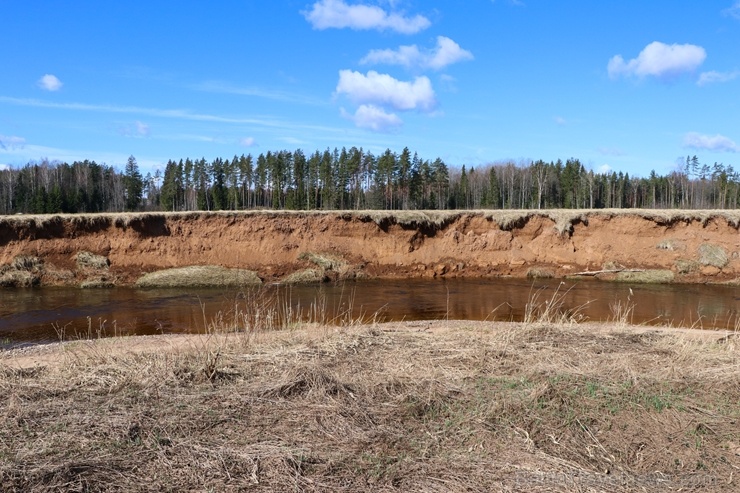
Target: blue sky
626, 85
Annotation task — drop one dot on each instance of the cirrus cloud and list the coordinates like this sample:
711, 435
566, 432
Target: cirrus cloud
717, 143
247, 141
733, 11
659, 60
445, 53
338, 14
49, 82
10, 142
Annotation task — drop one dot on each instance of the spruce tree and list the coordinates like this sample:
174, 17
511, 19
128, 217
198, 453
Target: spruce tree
133, 184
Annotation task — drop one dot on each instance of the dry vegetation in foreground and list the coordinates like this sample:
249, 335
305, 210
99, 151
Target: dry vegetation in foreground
442, 406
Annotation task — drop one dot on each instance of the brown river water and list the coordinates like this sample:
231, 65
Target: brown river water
41, 315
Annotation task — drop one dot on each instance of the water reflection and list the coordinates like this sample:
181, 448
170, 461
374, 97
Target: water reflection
42, 315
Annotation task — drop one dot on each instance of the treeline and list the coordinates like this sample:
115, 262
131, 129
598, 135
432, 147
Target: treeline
83, 186
355, 179
556, 185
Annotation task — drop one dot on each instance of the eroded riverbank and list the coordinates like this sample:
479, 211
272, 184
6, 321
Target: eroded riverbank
102, 250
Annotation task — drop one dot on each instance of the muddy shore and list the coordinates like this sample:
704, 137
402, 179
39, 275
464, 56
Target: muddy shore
102, 250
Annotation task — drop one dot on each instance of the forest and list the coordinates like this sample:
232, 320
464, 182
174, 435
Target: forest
355, 179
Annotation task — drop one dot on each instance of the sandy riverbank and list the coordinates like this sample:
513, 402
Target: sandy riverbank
100, 250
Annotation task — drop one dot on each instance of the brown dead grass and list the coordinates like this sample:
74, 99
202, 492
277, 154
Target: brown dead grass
648, 276
199, 276
425, 406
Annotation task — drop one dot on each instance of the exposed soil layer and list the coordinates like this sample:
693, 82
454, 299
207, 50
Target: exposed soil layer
117, 249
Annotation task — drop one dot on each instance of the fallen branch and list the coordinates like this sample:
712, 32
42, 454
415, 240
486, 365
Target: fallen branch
605, 271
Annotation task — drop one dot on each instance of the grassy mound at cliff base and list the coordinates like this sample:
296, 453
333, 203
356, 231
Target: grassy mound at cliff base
198, 276
305, 276
425, 406
649, 276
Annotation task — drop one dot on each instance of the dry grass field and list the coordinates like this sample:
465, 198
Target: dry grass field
423, 406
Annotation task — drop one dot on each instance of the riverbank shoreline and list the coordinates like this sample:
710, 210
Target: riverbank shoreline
404, 406
252, 247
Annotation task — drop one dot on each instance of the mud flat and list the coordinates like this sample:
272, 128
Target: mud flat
100, 250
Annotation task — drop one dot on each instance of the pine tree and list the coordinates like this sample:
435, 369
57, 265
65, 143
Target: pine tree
133, 184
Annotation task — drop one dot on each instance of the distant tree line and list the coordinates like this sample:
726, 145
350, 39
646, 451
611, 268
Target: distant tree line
355, 179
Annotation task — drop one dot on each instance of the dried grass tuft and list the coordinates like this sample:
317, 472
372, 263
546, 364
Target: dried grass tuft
540, 273
649, 276
671, 245
24, 271
88, 260
326, 261
713, 255
684, 266
27, 263
18, 279
305, 276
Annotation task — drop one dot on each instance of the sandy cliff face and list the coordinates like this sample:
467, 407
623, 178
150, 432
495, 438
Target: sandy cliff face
682, 247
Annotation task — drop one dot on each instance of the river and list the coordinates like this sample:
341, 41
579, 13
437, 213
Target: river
41, 315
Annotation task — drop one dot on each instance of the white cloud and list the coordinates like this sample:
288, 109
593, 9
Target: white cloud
517, 3
49, 83
604, 169
142, 129
3, 167
326, 14
373, 118
718, 143
733, 11
659, 60
714, 76
10, 142
384, 90
560, 120
449, 83
137, 129
247, 141
445, 53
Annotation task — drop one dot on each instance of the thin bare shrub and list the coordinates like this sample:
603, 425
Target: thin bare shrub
622, 311
272, 308
553, 310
